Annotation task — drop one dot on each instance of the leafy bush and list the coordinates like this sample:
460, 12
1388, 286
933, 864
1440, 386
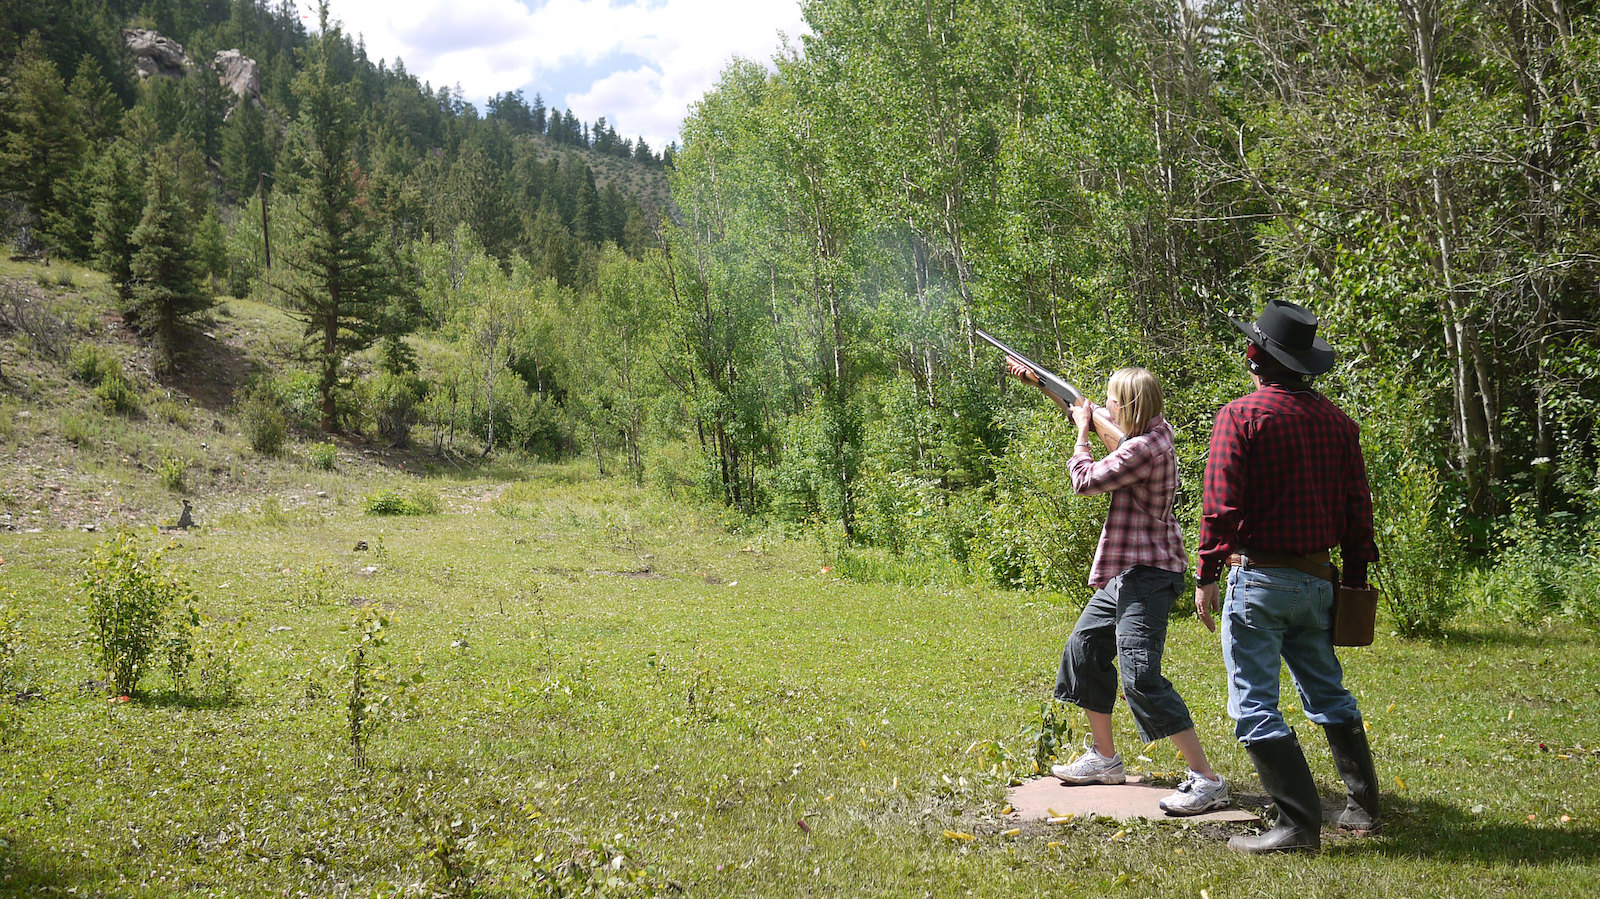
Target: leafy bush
138, 606
1038, 534
116, 394
1419, 553
1419, 558
521, 420
389, 501
375, 686
265, 424
297, 396
323, 455
92, 364
393, 400
173, 471
1543, 572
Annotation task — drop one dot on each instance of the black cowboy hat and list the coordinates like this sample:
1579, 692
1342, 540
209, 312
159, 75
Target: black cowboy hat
1289, 333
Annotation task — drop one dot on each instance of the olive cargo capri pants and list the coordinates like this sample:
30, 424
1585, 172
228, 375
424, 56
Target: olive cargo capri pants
1125, 625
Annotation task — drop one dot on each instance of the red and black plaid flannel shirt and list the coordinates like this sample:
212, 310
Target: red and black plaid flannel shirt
1285, 475
1141, 475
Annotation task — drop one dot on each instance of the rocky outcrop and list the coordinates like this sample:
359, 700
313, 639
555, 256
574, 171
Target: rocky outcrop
238, 73
154, 54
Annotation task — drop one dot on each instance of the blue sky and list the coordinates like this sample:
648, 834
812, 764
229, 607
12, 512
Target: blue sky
638, 63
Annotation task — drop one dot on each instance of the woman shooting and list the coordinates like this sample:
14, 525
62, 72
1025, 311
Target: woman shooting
1137, 575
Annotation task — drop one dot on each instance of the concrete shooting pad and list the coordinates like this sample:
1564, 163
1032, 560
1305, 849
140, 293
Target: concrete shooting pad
1047, 798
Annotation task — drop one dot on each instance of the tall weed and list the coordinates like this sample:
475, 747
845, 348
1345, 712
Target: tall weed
1419, 553
1417, 571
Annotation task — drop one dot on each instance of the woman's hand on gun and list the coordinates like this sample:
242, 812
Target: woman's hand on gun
1083, 416
1021, 372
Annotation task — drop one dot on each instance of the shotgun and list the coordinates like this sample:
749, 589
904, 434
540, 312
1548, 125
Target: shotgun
1051, 383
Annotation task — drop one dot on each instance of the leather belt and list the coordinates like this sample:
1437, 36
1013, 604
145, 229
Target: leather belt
1318, 564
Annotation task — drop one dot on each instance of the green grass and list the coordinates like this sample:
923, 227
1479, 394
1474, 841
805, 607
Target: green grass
609, 674
624, 694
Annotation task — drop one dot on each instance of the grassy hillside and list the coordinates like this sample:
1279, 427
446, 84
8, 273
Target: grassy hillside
647, 183
86, 466
608, 691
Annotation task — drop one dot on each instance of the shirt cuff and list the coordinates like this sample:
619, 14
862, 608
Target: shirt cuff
1355, 574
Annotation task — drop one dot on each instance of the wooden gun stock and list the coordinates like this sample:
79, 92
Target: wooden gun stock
1067, 395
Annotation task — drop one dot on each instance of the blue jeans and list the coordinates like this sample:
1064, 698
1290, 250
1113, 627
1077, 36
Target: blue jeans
1273, 614
1125, 625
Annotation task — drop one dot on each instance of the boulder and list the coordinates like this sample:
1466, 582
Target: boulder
155, 54
238, 73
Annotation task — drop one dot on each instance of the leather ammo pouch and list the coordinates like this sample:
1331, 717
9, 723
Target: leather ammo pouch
1355, 612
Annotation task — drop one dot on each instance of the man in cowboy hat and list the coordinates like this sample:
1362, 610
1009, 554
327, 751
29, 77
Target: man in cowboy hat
1284, 483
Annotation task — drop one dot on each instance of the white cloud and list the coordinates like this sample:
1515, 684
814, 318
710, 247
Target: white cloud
649, 59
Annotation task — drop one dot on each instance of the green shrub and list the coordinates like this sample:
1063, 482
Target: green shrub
323, 455
393, 401
376, 689
265, 425
1036, 533
138, 606
1419, 559
92, 364
173, 471
296, 396
1543, 572
171, 412
389, 501
117, 396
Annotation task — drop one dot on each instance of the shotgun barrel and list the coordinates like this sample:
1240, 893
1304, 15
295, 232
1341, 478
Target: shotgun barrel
1048, 379
1051, 383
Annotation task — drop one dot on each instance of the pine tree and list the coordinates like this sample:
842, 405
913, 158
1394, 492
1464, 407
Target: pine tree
117, 204
340, 279
169, 287
245, 151
42, 141
97, 101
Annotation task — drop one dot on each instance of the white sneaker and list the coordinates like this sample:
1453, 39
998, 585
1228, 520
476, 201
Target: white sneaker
1197, 795
1092, 768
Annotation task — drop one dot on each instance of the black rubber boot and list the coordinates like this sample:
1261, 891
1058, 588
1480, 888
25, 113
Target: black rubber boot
1352, 755
1285, 774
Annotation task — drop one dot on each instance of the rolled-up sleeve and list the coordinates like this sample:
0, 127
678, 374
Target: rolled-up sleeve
1125, 465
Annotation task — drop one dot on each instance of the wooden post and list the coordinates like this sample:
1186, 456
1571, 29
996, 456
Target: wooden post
266, 233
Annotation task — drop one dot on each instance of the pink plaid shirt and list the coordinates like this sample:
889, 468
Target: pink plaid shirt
1142, 477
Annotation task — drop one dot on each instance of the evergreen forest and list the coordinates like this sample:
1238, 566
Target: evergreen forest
790, 334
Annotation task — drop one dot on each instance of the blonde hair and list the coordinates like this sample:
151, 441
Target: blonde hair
1140, 398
